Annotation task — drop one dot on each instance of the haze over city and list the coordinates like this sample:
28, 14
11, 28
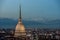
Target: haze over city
35, 13
31, 9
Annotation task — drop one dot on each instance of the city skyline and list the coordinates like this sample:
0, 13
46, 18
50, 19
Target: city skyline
36, 9
29, 19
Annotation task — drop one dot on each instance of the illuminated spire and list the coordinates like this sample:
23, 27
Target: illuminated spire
20, 18
20, 12
20, 29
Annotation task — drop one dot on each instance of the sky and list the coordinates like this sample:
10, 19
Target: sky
31, 9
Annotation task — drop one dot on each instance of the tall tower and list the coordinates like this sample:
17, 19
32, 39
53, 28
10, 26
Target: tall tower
20, 29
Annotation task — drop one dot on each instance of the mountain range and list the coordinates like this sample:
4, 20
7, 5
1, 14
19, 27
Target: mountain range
11, 23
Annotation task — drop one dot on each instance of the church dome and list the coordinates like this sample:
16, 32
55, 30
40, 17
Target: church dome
20, 27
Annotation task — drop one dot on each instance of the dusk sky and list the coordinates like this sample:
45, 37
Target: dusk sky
31, 9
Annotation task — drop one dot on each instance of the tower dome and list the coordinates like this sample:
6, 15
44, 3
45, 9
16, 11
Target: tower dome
20, 29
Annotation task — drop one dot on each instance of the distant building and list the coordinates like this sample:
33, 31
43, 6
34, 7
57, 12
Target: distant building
20, 29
